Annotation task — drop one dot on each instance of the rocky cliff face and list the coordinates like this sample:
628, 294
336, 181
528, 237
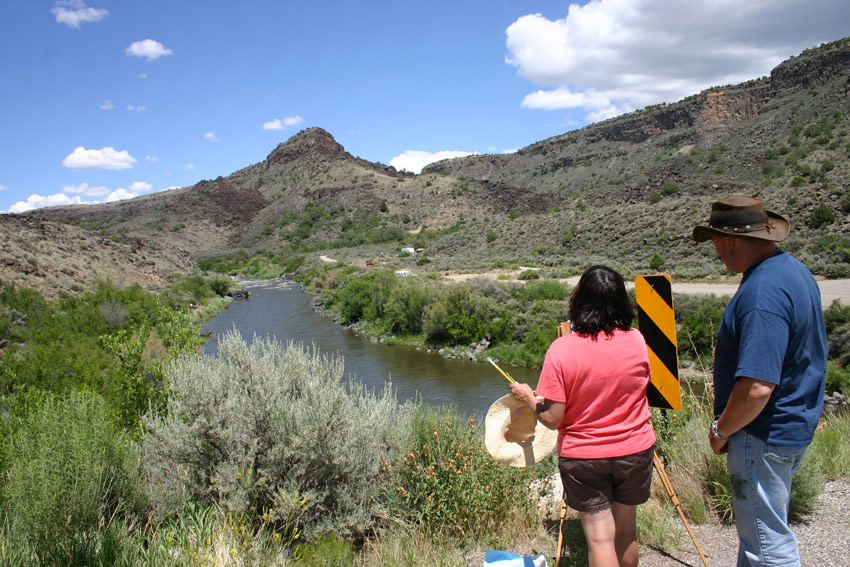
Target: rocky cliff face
813, 67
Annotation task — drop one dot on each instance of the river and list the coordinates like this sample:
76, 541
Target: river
281, 310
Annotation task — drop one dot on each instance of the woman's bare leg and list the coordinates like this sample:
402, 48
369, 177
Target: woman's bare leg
599, 530
625, 540
611, 536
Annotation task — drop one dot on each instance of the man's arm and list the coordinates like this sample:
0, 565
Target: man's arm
748, 399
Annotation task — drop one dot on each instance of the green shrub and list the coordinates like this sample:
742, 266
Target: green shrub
836, 246
837, 379
656, 262
699, 319
327, 551
353, 299
543, 290
837, 321
447, 483
220, 286
69, 477
406, 306
822, 215
671, 187
806, 486
830, 447
270, 431
363, 298
529, 275
452, 318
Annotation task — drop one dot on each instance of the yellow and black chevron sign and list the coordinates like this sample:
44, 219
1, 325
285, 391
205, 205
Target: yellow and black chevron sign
657, 323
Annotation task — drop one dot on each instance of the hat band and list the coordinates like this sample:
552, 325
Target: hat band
743, 229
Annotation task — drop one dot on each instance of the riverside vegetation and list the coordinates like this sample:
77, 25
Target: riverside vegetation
124, 446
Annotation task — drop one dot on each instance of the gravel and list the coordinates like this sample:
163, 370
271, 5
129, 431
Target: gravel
823, 538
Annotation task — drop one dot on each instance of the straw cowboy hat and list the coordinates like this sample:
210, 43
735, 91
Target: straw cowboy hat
743, 216
513, 435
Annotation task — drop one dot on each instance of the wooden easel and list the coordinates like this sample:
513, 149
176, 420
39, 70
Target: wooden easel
564, 329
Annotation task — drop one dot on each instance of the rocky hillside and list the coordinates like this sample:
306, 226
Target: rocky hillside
56, 259
620, 191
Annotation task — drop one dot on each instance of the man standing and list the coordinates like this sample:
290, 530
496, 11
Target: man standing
769, 374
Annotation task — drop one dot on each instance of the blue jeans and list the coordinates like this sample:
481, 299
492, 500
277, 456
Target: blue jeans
760, 475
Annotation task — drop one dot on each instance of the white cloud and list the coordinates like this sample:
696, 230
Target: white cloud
35, 201
190, 166
147, 48
210, 137
414, 160
104, 158
608, 57
140, 187
281, 123
151, 158
3, 187
107, 105
136, 108
143, 76
74, 12
119, 195
84, 189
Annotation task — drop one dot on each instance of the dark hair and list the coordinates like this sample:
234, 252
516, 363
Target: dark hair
599, 303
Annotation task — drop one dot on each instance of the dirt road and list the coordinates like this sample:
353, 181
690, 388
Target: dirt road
830, 290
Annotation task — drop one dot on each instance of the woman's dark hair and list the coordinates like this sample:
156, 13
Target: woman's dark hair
599, 303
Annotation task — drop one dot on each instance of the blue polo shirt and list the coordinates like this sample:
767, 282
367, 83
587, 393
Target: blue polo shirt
773, 330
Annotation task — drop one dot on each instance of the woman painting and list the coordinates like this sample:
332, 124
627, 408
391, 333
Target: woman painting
593, 383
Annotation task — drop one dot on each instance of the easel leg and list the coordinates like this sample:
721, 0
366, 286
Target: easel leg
561, 531
668, 486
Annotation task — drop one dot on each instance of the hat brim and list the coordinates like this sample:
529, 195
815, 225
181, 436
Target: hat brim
540, 442
779, 231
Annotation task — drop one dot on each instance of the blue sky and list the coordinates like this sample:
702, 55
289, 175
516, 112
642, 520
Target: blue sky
102, 100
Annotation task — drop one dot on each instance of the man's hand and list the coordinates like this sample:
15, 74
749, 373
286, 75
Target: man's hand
719, 446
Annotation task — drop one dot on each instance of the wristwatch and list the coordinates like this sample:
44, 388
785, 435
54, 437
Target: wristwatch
713, 432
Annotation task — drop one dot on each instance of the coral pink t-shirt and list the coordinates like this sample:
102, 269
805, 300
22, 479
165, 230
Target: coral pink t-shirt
603, 383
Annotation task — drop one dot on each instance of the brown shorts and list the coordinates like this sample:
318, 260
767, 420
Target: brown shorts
593, 484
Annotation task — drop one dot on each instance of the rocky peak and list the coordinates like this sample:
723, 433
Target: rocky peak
310, 141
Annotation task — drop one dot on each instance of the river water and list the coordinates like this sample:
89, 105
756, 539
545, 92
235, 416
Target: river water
281, 310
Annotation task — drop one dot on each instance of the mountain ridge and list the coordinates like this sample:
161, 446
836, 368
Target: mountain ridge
617, 192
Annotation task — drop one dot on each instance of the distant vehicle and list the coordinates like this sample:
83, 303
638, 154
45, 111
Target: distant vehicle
370, 263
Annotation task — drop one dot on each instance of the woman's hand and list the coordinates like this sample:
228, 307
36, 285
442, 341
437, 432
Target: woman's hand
525, 394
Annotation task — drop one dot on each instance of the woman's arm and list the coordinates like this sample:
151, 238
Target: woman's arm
550, 413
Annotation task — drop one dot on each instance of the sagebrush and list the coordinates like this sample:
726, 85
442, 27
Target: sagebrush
272, 431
